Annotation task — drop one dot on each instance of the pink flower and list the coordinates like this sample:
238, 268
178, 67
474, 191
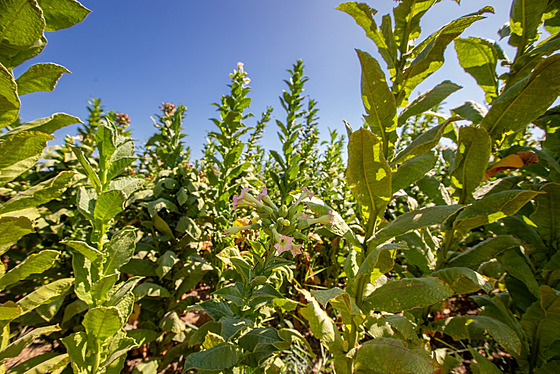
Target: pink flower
284, 244
307, 193
262, 194
296, 250
303, 216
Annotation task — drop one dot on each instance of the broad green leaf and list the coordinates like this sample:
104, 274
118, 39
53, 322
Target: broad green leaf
118, 348
368, 174
525, 101
35, 263
121, 159
479, 58
41, 77
127, 185
363, 15
21, 23
404, 294
485, 251
47, 125
108, 205
463, 280
39, 194
85, 249
432, 56
61, 14
525, 18
338, 227
150, 290
12, 229
482, 364
166, 262
417, 219
381, 258
515, 263
159, 204
18, 153
45, 294
379, 103
492, 208
19, 344
50, 362
462, 327
263, 335
102, 323
407, 21
231, 326
413, 170
551, 367
9, 311
470, 110
551, 17
119, 250
232, 292
547, 213
219, 357
89, 172
471, 160
9, 100
428, 100
77, 348
391, 356
321, 324
106, 139
424, 142
216, 309
101, 288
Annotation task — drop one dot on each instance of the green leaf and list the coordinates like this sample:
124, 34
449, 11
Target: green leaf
463, 327
338, 227
379, 102
485, 251
424, 142
368, 173
121, 159
50, 362
85, 249
413, 170
407, 21
479, 58
417, 219
9, 311
45, 294
470, 110
18, 153
551, 17
77, 348
12, 229
525, 19
522, 103
35, 263
101, 288
159, 204
471, 160
108, 205
463, 280
391, 356
166, 262
9, 100
61, 14
102, 323
119, 250
404, 294
515, 263
432, 56
90, 173
263, 335
150, 290
39, 194
232, 292
547, 213
381, 258
321, 324
219, 357
47, 125
41, 77
492, 208
21, 23
363, 15
18, 345
428, 100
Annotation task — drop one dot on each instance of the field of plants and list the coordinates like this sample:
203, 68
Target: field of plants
420, 241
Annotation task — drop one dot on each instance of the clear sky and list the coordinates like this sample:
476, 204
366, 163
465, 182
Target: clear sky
134, 55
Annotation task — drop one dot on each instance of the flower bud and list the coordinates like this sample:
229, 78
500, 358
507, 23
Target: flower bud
283, 211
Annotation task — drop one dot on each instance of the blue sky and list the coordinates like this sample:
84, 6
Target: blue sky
135, 55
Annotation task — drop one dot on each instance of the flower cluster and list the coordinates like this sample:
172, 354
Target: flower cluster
283, 225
